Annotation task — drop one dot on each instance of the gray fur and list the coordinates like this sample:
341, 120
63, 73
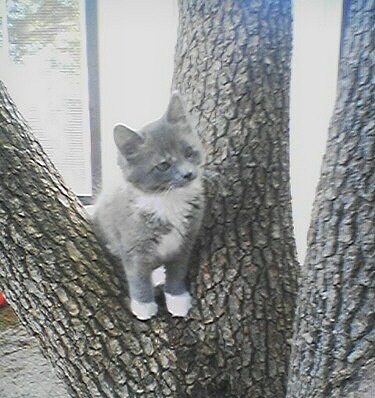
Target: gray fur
153, 213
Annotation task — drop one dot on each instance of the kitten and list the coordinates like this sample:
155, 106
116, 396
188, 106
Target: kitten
153, 214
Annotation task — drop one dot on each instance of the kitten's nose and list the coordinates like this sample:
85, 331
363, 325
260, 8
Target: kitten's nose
189, 175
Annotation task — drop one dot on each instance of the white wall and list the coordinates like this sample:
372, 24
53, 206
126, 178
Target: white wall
317, 25
136, 50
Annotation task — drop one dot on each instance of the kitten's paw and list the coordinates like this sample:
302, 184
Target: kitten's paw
178, 305
143, 311
158, 276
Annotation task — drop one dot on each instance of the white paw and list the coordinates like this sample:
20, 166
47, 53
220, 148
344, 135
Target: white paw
158, 276
178, 305
143, 311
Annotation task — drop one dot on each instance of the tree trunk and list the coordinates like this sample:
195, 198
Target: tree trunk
233, 67
53, 272
334, 340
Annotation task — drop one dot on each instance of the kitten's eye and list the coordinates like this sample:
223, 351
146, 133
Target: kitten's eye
163, 166
189, 152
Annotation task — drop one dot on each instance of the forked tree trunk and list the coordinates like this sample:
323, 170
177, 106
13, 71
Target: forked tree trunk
233, 66
334, 341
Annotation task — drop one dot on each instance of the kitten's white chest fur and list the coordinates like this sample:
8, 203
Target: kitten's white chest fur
172, 207
170, 243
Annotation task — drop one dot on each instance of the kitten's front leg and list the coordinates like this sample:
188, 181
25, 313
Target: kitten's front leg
141, 291
177, 298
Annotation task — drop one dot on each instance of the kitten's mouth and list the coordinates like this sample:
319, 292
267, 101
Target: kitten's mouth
169, 187
182, 184
172, 187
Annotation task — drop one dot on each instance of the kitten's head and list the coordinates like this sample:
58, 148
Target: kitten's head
164, 154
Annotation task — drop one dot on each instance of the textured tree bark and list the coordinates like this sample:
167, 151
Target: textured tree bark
334, 340
233, 67
51, 268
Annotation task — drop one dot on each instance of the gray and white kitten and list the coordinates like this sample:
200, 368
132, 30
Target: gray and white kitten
152, 215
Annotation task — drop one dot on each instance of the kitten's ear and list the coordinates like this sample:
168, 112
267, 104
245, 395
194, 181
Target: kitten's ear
126, 139
176, 109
